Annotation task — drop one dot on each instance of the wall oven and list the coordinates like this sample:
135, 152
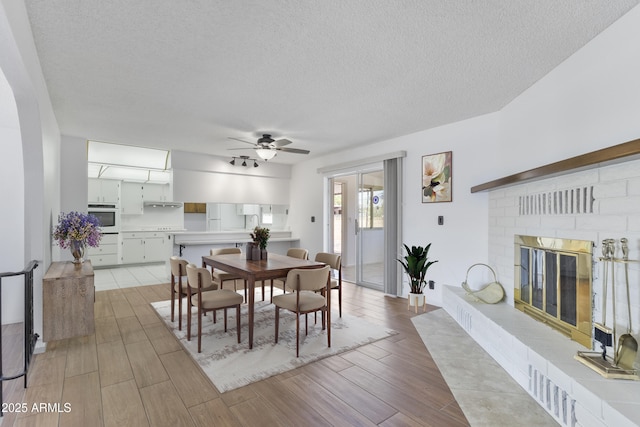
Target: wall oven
108, 215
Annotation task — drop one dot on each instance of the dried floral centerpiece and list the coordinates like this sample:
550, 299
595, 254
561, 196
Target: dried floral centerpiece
76, 230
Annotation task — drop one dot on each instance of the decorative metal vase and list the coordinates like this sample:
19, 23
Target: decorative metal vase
77, 248
263, 254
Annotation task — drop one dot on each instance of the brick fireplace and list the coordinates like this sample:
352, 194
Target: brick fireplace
589, 205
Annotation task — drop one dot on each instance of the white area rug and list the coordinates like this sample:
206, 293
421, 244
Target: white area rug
230, 365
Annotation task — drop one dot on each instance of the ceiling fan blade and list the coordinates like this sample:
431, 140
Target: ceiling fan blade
242, 140
232, 149
281, 142
294, 150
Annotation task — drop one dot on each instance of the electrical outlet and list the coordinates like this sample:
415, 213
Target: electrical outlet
432, 284
440, 220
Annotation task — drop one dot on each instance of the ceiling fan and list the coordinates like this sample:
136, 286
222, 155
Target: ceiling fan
266, 147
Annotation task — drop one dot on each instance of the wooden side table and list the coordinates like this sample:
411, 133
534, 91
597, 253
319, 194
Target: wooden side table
68, 295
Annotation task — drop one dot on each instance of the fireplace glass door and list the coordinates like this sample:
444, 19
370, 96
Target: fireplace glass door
555, 283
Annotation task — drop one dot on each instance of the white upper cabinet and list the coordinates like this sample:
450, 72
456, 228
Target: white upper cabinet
248, 209
104, 191
132, 202
156, 193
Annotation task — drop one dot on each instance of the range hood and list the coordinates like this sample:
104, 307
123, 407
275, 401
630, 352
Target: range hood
159, 204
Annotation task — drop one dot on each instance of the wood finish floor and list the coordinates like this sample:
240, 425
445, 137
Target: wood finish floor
133, 372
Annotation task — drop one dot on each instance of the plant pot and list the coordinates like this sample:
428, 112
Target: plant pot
417, 300
263, 254
249, 253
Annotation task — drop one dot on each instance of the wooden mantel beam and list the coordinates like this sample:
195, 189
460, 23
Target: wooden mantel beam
583, 161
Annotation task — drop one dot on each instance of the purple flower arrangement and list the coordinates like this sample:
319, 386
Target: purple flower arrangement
77, 226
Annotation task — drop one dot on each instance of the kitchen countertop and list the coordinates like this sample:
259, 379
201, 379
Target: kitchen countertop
235, 236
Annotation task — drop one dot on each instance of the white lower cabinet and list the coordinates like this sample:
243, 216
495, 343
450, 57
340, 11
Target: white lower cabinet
144, 246
106, 253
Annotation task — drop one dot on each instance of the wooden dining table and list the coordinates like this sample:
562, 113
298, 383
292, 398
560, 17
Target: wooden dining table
275, 267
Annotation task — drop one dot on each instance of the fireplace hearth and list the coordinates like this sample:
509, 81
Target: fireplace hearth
553, 283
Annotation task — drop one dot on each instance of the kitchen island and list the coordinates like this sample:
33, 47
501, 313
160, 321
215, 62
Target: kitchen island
193, 245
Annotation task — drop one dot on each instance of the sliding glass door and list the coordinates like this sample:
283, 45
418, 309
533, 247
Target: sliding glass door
369, 229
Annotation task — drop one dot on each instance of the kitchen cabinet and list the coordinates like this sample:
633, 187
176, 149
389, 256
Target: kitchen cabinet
248, 209
195, 207
135, 194
103, 191
68, 295
156, 193
132, 248
106, 253
132, 201
145, 246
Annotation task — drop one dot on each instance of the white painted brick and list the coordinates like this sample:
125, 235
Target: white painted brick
506, 222
507, 201
587, 398
578, 179
602, 222
610, 189
633, 187
634, 223
528, 221
558, 222
620, 205
613, 417
497, 193
586, 418
620, 171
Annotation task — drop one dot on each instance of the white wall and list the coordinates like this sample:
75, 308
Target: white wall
73, 174
201, 178
12, 194
457, 244
40, 141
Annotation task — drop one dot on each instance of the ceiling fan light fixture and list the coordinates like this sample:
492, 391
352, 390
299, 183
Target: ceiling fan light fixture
265, 153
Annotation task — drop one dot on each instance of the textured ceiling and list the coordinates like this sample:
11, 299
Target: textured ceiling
326, 74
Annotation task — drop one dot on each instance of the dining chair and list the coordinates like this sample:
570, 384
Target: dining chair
306, 283
179, 288
220, 276
335, 262
299, 253
199, 279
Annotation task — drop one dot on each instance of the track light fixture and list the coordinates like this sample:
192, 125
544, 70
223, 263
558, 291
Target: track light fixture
244, 161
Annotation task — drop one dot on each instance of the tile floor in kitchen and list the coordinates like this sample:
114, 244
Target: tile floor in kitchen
130, 276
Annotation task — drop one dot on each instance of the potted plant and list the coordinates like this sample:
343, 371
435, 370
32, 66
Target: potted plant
415, 264
75, 231
260, 237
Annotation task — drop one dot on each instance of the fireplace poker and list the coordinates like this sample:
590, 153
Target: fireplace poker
602, 333
627, 350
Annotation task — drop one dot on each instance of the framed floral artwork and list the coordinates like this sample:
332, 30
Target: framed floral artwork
436, 178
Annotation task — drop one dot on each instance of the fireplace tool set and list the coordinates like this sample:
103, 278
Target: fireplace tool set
625, 348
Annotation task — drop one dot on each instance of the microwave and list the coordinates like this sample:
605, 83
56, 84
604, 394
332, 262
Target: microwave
108, 216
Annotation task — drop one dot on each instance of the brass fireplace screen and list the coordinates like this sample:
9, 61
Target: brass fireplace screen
553, 283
